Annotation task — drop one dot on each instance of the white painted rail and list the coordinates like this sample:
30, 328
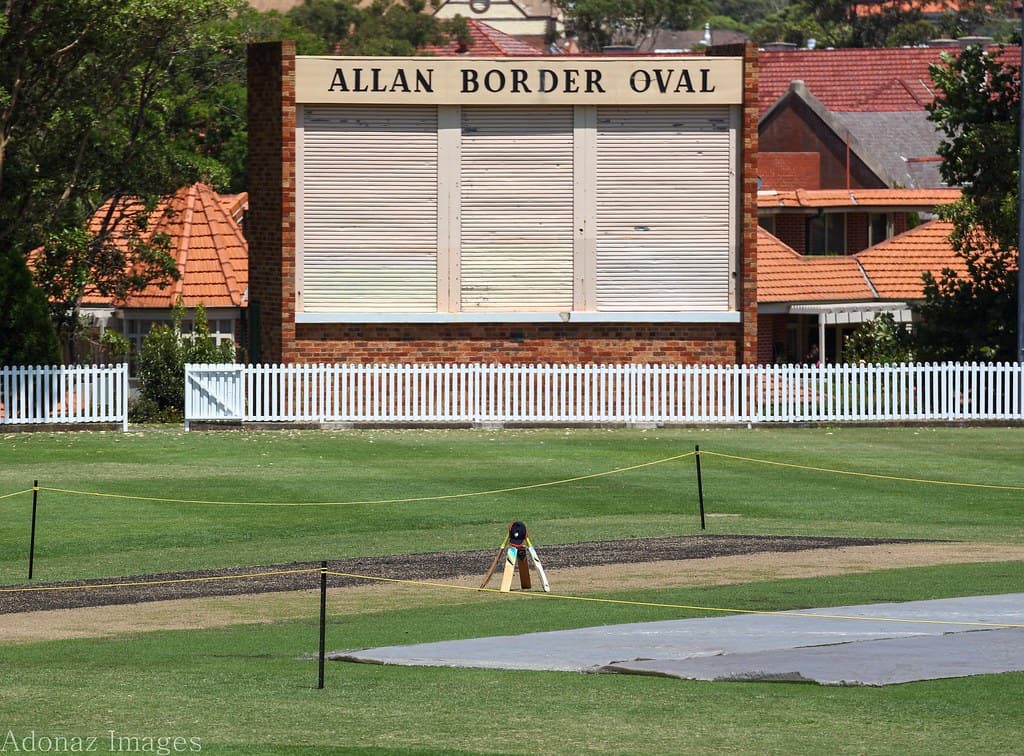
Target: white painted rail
478, 393
64, 394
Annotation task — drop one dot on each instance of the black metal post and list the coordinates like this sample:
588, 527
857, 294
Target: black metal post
700, 486
32, 537
323, 624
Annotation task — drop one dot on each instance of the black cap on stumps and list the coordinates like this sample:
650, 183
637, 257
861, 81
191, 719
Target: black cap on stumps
516, 533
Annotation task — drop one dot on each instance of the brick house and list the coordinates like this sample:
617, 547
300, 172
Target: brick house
805, 301
848, 165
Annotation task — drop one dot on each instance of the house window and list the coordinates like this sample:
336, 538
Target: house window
222, 330
880, 228
826, 234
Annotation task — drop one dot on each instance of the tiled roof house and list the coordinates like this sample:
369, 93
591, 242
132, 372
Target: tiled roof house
211, 252
847, 164
807, 300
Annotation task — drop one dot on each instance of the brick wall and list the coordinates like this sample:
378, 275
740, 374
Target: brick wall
747, 270
510, 343
856, 232
787, 171
771, 333
792, 230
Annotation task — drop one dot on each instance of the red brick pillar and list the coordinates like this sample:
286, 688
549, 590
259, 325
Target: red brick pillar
746, 347
270, 222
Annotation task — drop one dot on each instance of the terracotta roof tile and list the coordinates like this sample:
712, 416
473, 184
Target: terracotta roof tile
783, 275
854, 198
485, 41
208, 245
881, 79
895, 266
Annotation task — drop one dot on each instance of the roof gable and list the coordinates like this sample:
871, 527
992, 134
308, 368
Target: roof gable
893, 145
890, 270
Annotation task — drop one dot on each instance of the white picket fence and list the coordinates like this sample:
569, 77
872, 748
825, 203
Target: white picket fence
632, 394
64, 394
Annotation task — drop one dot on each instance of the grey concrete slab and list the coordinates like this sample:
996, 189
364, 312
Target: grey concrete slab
593, 649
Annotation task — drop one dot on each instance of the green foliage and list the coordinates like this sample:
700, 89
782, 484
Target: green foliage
598, 23
973, 317
837, 23
747, 12
727, 22
26, 333
385, 27
116, 346
95, 104
118, 261
794, 25
164, 354
98, 101
978, 109
881, 340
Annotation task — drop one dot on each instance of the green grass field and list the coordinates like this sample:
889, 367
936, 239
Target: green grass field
247, 689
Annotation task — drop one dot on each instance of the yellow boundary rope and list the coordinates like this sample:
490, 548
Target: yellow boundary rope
16, 493
408, 500
626, 602
453, 586
513, 489
863, 474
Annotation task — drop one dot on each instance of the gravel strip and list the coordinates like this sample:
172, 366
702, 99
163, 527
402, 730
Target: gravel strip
430, 566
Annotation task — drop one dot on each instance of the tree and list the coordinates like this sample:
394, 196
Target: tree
973, 316
384, 27
598, 23
26, 334
95, 99
884, 23
115, 262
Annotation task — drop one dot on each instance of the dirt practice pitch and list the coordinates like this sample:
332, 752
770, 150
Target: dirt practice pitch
574, 569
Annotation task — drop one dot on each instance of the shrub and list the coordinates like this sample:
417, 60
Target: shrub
880, 340
164, 354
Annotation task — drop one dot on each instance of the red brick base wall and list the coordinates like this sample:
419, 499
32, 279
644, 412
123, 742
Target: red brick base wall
508, 343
